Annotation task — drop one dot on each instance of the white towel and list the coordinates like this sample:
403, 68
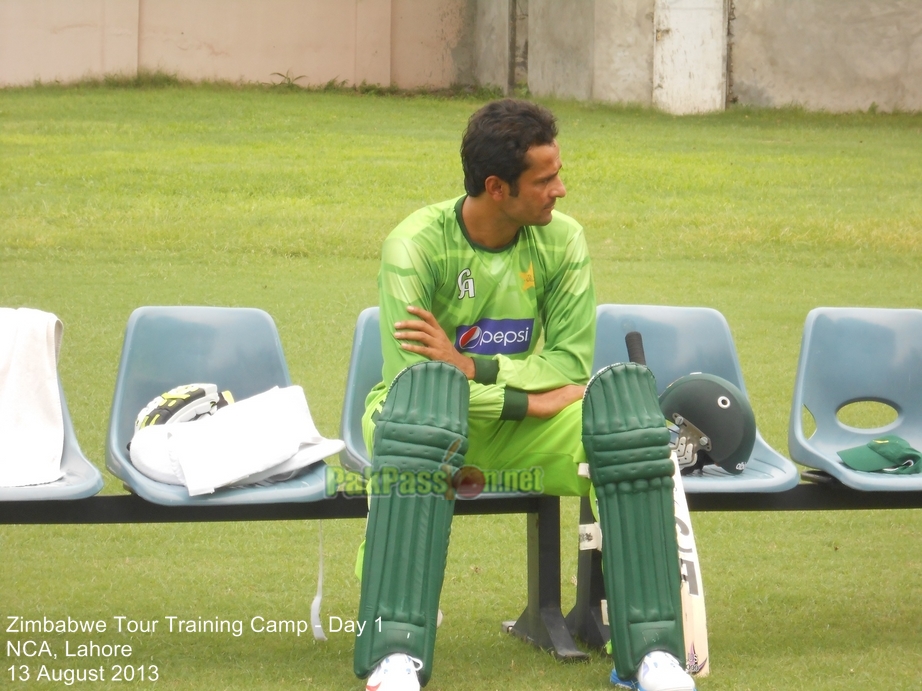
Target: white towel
31, 420
267, 437
308, 454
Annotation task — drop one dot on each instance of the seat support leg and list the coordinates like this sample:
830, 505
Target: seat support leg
542, 623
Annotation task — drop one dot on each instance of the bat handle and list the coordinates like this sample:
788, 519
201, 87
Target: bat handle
634, 343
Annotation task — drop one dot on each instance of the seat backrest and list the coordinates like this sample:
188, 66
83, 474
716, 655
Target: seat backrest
851, 354
81, 477
677, 341
236, 348
365, 366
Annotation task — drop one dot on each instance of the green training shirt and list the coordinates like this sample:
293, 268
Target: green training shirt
525, 312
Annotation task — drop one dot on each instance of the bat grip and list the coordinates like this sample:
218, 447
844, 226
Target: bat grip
634, 343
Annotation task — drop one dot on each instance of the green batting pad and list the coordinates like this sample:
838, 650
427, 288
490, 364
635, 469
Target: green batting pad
420, 440
627, 446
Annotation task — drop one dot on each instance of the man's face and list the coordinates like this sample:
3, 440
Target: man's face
539, 187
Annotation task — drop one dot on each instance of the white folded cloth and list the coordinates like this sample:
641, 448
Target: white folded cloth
270, 436
31, 419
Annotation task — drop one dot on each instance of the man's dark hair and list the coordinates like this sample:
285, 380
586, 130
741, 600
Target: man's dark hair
497, 138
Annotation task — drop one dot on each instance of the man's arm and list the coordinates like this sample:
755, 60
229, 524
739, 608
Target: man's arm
426, 337
548, 403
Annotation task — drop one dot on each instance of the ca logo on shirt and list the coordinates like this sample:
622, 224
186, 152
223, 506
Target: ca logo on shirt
465, 284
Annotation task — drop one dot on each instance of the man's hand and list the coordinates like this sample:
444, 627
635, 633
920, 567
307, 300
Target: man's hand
425, 337
548, 403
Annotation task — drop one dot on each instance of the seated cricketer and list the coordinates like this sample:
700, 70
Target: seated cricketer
487, 315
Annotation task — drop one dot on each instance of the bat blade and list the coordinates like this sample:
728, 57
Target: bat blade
694, 616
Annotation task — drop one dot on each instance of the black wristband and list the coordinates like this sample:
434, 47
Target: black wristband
485, 371
515, 405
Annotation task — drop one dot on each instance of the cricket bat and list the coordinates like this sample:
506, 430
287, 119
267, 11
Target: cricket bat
694, 616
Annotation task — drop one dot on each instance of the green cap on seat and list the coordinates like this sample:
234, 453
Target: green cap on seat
888, 454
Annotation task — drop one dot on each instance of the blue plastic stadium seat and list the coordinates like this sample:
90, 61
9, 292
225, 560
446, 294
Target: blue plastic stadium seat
849, 355
364, 372
678, 341
81, 478
236, 348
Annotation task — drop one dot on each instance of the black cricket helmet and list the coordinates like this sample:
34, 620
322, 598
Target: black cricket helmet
713, 414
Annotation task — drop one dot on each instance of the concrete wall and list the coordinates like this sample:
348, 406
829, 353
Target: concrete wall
494, 43
248, 41
668, 53
623, 59
822, 54
408, 43
836, 55
520, 51
66, 39
561, 48
690, 56
432, 42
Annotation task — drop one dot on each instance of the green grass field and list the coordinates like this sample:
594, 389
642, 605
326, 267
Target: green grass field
279, 198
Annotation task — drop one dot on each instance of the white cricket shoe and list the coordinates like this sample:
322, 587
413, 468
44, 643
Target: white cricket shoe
660, 671
396, 672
